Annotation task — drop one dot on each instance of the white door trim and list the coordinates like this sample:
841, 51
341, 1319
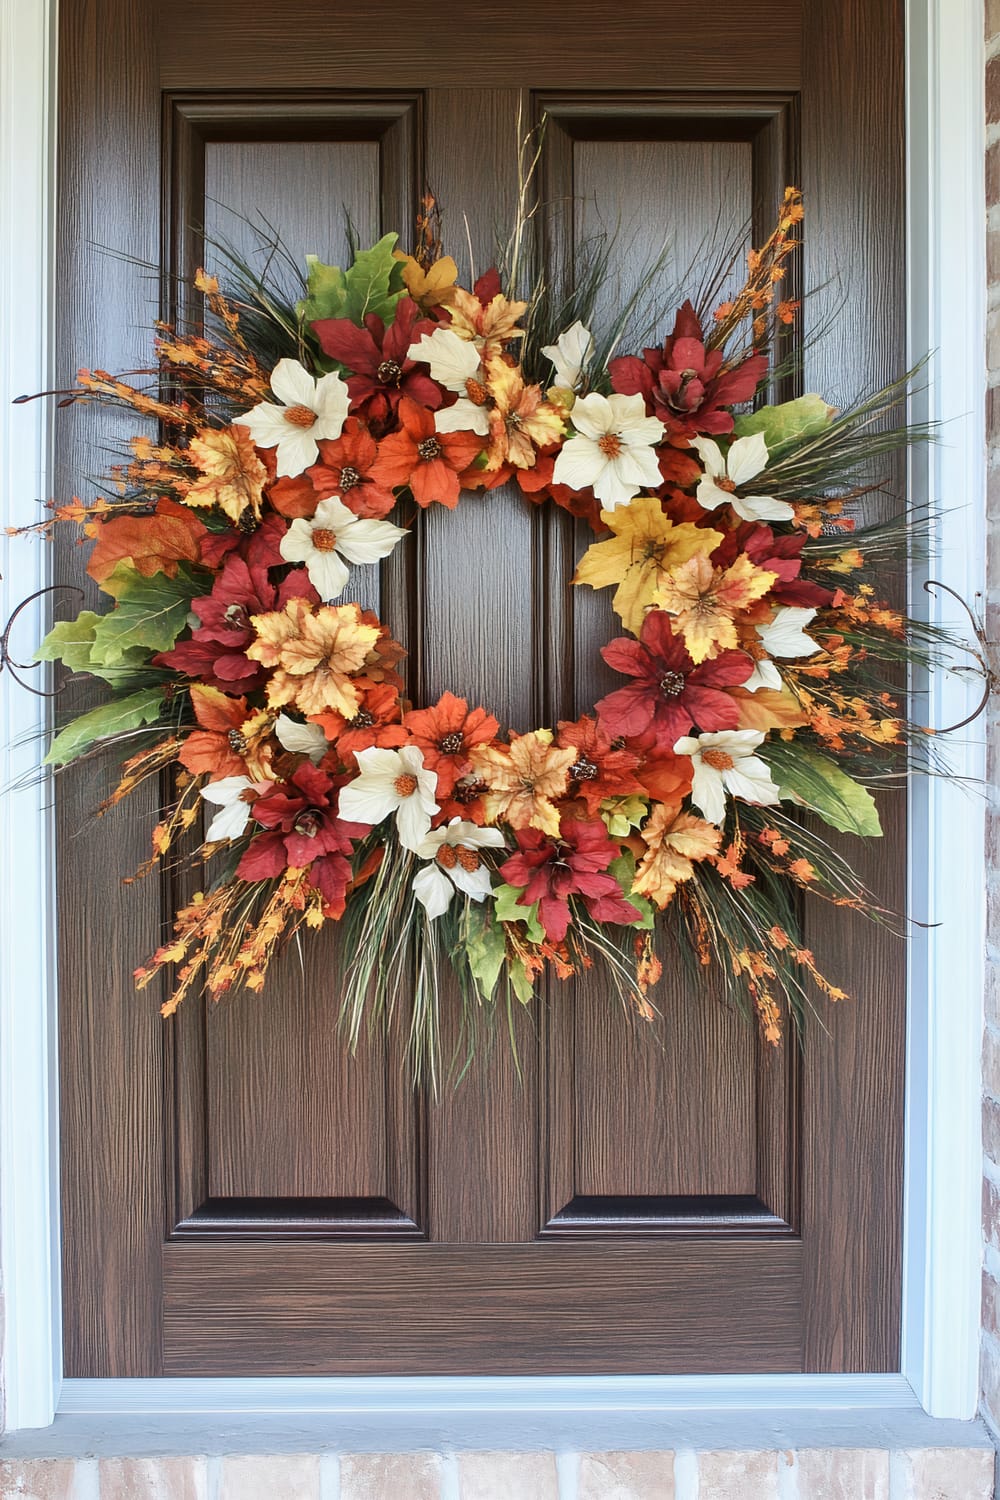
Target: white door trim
943, 1146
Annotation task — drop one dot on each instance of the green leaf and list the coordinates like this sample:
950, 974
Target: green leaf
507, 909
786, 426
327, 291
100, 723
485, 950
72, 643
806, 776
372, 284
150, 614
622, 814
521, 982
623, 869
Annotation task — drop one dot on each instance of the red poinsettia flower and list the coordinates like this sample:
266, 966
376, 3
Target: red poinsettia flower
670, 694
686, 385
446, 733
537, 485
550, 871
602, 768
777, 554
344, 469
216, 749
216, 652
377, 722
259, 547
429, 462
382, 371
666, 777
304, 832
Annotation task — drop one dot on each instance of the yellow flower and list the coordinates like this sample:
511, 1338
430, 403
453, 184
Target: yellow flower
673, 844
520, 419
231, 475
434, 287
706, 601
489, 327
523, 778
313, 653
645, 549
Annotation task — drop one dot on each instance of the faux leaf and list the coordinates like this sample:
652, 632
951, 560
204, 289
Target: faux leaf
72, 643
623, 869
508, 909
103, 722
786, 426
485, 950
153, 544
813, 779
768, 708
151, 613
373, 284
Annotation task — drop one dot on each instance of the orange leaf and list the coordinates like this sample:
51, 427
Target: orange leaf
155, 544
767, 709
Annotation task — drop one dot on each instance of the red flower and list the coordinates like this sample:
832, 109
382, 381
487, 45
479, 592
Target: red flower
600, 770
377, 722
550, 871
344, 469
777, 554
684, 384
304, 832
428, 461
258, 548
446, 733
382, 372
670, 694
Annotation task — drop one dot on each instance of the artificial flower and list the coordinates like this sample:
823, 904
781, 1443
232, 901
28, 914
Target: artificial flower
228, 732
726, 763
519, 418
333, 533
382, 372
523, 779
425, 459
233, 796
674, 842
490, 324
230, 475
570, 355
344, 469
375, 722
309, 409
669, 693
305, 816
743, 461
455, 865
393, 782
455, 364
612, 451
573, 861
665, 777
602, 769
645, 548
688, 387
447, 732
780, 555
706, 601
301, 739
313, 654
784, 636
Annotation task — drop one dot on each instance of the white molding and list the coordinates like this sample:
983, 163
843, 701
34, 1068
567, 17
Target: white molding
947, 289
29, 1175
940, 1324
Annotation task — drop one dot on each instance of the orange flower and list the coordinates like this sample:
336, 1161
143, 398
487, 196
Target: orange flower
447, 732
707, 600
375, 722
313, 652
523, 778
520, 418
489, 326
673, 845
233, 739
231, 475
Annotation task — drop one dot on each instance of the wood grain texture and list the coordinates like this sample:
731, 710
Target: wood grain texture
433, 1309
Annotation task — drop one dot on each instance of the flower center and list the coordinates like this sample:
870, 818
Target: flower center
429, 448
299, 416
468, 859
583, 770
361, 720
672, 684
388, 372
308, 823
248, 522
236, 617
324, 540
477, 393
451, 744
513, 421
405, 785
610, 445
237, 741
726, 484
719, 760
349, 478
468, 789
447, 856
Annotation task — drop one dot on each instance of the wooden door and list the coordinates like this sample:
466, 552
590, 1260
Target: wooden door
238, 1197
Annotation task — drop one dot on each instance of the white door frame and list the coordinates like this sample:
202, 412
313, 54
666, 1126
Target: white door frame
943, 1168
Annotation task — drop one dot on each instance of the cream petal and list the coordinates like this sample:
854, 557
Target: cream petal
367, 802
737, 741
474, 883
464, 416
228, 823
645, 433
785, 634
411, 758
578, 463
746, 457
433, 890
627, 411
452, 360
331, 515
328, 574
761, 508
366, 541
266, 424
297, 545
709, 496
301, 739
480, 838
711, 457
687, 745
432, 843
412, 822
764, 675
611, 489
639, 466
225, 790
332, 403
296, 451
293, 385
570, 355
594, 417
750, 780
707, 792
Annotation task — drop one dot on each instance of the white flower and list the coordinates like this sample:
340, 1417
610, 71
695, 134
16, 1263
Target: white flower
310, 409
234, 809
392, 781
570, 355
301, 739
725, 762
613, 449
455, 865
454, 363
783, 636
319, 540
747, 456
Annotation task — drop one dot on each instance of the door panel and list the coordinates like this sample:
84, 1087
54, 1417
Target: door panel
620, 1198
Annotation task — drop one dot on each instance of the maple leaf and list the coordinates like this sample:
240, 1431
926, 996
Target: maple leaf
153, 544
231, 475
706, 601
314, 654
523, 779
673, 845
768, 709
645, 549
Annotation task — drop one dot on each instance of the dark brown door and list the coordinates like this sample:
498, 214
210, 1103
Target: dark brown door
240, 1198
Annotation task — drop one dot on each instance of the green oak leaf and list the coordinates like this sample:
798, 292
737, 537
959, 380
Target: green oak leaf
72, 643
623, 869
786, 426
103, 722
521, 982
804, 775
373, 283
507, 909
622, 814
485, 950
150, 613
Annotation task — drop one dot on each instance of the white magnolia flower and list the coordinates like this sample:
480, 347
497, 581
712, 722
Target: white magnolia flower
301, 739
324, 539
310, 409
613, 449
392, 781
746, 458
725, 762
455, 864
229, 795
570, 355
784, 636
455, 364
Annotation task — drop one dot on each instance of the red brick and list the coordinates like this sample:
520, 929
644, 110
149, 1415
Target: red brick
991, 1213
993, 91
993, 173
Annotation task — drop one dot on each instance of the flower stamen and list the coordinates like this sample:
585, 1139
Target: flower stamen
300, 416
405, 785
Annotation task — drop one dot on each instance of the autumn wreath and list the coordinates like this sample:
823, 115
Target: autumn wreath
757, 662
